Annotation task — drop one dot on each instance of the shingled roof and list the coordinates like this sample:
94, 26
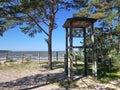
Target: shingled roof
78, 22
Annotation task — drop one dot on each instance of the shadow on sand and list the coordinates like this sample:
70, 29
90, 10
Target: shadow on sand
39, 80
31, 82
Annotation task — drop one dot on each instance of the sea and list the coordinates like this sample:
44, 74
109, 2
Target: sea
31, 55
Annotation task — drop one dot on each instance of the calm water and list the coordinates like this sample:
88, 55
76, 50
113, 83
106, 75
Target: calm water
33, 55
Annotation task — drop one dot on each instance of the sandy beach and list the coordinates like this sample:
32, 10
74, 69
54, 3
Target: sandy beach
35, 76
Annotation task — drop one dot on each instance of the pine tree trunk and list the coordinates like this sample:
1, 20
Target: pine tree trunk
51, 25
119, 40
50, 50
119, 31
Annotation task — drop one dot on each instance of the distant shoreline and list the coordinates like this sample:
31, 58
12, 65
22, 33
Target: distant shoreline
30, 51
31, 55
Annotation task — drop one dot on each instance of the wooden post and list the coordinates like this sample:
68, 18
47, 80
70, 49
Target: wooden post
23, 57
65, 65
85, 58
7, 56
94, 61
66, 56
57, 55
71, 53
39, 57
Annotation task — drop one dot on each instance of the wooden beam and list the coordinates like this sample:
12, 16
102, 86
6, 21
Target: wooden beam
66, 57
94, 61
71, 52
85, 57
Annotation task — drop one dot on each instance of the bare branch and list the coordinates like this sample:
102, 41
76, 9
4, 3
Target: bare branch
38, 25
44, 22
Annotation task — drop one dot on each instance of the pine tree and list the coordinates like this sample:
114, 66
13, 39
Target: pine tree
108, 14
35, 13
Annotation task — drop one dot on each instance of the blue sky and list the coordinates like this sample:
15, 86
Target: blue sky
15, 40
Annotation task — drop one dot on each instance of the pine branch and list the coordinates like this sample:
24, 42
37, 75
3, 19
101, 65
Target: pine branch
38, 24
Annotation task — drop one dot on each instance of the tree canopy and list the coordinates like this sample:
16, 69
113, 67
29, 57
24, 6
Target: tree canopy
107, 32
31, 15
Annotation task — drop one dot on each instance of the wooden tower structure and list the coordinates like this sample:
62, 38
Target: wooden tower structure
69, 25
